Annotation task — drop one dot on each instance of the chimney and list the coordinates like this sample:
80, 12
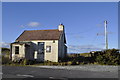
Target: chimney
61, 27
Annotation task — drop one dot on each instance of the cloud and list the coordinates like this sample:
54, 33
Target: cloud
82, 48
22, 26
4, 44
33, 24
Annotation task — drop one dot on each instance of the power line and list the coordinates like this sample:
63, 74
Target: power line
94, 39
86, 31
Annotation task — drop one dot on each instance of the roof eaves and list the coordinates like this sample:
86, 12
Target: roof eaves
42, 30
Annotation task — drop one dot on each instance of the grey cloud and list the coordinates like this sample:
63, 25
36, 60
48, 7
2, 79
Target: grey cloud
31, 24
4, 44
82, 48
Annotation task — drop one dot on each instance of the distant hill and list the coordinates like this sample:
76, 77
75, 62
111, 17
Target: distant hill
80, 54
85, 54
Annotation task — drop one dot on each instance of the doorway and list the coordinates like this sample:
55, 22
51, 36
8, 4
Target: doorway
41, 51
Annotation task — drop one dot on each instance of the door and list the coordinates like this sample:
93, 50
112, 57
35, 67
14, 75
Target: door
41, 51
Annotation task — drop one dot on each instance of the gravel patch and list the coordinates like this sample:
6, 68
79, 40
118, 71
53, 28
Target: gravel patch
86, 67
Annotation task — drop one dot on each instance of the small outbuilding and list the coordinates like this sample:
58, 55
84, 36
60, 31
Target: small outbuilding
40, 45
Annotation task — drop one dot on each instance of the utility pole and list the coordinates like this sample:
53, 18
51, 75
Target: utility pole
106, 35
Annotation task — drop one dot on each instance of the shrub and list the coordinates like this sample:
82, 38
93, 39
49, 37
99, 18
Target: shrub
69, 63
5, 60
24, 62
108, 57
73, 62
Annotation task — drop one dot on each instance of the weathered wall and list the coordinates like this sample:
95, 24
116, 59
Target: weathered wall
62, 48
29, 52
21, 51
65, 52
53, 55
57, 48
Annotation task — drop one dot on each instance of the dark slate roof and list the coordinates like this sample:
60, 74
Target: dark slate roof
40, 35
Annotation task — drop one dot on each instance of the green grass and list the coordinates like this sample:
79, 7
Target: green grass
85, 54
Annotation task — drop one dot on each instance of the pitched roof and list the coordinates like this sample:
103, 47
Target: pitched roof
40, 35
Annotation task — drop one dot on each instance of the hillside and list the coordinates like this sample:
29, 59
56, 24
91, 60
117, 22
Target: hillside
79, 54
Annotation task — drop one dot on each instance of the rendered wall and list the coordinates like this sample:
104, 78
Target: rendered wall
21, 51
51, 56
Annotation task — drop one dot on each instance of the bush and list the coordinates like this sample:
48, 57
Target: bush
5, 60
108, 57
28, 62
69, 63
25, 62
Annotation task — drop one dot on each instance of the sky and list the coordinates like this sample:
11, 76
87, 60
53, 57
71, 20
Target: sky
82, 21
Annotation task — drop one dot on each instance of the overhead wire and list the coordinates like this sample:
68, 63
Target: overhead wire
86, 31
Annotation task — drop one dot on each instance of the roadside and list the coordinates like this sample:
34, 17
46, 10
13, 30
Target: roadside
100, 68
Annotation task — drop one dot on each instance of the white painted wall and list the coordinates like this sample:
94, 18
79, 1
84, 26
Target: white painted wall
51, 56
21, 51
57, 48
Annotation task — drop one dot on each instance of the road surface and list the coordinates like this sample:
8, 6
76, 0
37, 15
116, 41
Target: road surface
25, 72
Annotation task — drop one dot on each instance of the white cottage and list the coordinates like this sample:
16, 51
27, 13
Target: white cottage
40, 45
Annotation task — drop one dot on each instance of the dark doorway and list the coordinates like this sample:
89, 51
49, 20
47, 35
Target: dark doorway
41, 51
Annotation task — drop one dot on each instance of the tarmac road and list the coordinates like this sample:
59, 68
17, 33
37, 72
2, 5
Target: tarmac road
25, 72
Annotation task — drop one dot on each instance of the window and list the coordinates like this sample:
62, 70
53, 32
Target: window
48, 48
53, 41
16, 49
40, 43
